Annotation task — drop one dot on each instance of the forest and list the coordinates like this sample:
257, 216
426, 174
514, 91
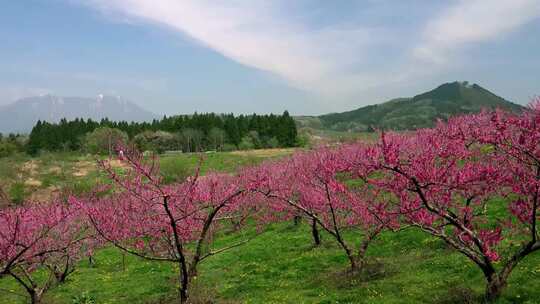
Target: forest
187, 133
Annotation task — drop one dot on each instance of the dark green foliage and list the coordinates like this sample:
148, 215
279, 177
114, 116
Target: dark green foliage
420, 111
189, 133
287, 130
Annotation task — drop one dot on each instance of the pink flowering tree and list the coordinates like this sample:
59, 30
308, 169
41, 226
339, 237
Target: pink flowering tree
315, 184
169, 223
447, 180
274, 178
40, 237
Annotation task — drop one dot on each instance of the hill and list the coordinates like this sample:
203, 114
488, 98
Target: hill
416, 112
23, 114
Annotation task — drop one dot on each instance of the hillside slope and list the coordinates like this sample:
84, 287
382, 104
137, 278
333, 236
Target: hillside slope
417, 112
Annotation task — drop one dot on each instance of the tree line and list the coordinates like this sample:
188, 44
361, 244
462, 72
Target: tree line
189, 133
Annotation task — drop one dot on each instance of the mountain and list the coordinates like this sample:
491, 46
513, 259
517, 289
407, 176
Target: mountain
23, 114
419, 111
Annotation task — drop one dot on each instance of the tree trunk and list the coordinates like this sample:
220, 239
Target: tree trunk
495, 286
34, 293
91, 261
348, 251
315, 233
354, 264
184, 283
35, 297
362, 251
193, 272
61, 277
183, 296
61, 274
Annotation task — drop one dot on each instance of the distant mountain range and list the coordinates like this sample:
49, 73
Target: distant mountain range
398, 114
23, 114
416, 112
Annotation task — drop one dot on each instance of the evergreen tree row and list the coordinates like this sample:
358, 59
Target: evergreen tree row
207, 131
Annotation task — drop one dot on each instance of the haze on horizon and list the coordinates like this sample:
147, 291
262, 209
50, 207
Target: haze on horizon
309, 57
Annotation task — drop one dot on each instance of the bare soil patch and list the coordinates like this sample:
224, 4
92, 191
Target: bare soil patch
32, 182
55, 170
116, 163
43, 195
30, 167
83, 167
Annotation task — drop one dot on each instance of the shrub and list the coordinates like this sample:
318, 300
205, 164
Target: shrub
103, 140
229, 147
7, 149
158, 141
246, 143
273, 143
17, 192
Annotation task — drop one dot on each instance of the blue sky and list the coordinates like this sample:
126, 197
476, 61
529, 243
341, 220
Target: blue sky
310, 57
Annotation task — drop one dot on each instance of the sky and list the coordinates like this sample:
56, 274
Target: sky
245, 56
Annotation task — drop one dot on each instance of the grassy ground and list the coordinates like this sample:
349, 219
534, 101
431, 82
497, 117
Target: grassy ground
278, 266
37, 179
40, 178
281, 266
174, 167
323, 136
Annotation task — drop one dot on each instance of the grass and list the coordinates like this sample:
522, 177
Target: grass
39, 178
325, 136
281, 266
176, 167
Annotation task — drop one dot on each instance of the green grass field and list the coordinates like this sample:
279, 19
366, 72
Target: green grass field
280, 265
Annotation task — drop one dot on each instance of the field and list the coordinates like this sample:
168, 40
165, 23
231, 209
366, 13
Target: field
326, 136
280, 265
38, 179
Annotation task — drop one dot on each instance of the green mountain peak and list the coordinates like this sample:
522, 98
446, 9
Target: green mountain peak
420, 111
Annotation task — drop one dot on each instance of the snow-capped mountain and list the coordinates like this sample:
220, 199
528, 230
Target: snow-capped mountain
23, 114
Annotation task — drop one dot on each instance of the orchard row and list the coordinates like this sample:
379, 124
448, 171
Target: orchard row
444, 181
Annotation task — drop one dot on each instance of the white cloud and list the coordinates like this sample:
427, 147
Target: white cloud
258, 34
330, 60
473, 21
